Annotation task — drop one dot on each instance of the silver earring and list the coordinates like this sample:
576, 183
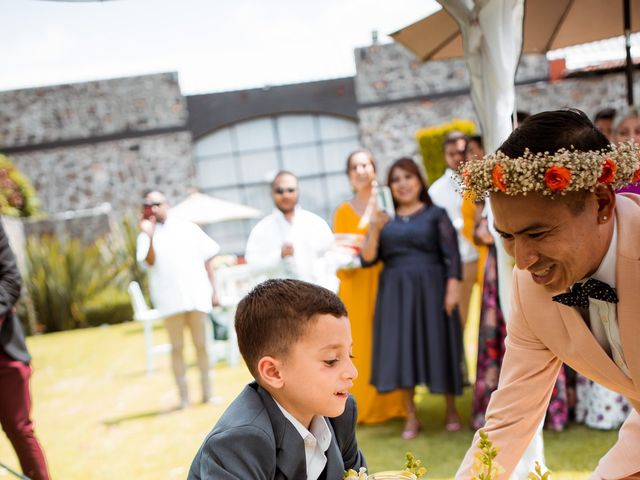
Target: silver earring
604, 217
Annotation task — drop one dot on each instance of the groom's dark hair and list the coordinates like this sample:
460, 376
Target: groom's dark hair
551, 131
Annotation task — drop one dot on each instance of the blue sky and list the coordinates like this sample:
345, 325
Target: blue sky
215, 45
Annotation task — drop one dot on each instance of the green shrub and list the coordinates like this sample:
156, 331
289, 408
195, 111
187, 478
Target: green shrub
430, 141
111, 306
129, 236
63, 276
17, 195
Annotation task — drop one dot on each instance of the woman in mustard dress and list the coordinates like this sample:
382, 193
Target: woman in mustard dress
358, 290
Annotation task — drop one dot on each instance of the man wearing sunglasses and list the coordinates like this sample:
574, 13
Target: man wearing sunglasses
178, 257
291, 242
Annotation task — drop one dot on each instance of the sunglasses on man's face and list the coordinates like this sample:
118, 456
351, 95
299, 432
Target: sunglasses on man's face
151, 204
280, 190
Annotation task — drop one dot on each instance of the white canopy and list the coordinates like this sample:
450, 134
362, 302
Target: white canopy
204, 209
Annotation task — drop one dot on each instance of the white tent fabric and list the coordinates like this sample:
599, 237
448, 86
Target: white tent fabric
492, 40
204, 209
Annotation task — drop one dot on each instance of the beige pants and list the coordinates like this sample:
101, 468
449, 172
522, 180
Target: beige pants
469, 273
175, 325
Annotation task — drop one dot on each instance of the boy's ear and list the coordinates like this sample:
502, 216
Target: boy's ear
269, 371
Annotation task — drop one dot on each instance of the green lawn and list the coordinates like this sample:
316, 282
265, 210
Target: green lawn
99, 416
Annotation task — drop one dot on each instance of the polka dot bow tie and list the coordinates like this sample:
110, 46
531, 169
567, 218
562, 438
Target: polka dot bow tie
581, 292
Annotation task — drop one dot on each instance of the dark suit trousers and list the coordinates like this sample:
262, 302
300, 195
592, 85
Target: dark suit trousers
15, 406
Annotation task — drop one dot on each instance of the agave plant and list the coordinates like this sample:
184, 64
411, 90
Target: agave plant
63, 275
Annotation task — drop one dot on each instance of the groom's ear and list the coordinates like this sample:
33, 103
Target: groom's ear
269, 371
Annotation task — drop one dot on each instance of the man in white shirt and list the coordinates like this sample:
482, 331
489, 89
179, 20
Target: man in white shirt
178, 256
291, 242
444, 193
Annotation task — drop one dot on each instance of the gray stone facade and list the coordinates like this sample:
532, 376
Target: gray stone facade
391, 72
116, 172
105, 141
91, 109
436, 92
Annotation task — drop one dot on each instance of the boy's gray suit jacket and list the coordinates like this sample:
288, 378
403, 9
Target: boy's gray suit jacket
254, 441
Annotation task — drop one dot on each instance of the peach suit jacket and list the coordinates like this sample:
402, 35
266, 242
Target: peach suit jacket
542, 334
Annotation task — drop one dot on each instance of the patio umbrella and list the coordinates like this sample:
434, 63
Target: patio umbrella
204, 209
548, 25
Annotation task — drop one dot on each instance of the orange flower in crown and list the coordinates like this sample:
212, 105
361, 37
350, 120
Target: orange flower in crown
608, 172
497, 176
567, 170
557, 178
466, 179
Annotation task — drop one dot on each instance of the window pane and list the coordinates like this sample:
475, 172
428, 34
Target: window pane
294, 129
255, 134
214, 143
335, 154
231, 236
216, 172
259, 196
335, 127
302, 160
339, 189
259, 166
313, 195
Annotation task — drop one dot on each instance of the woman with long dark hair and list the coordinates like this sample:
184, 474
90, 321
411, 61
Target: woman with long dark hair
417, 338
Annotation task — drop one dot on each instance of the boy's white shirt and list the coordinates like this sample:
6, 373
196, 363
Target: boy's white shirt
316, 442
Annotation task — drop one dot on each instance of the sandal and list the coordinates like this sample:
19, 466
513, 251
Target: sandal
453, 426
411, 429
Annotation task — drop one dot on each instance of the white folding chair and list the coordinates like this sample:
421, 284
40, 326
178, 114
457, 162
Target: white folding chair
233, 283
142, 313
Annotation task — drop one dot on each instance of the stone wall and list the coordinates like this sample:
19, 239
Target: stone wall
91, 109
391, 72
85, 144
116, 172
388, 124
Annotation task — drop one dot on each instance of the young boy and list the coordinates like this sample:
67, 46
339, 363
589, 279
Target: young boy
297, 420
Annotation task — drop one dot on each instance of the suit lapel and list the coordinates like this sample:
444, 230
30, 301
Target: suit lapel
335, 463
289, 445
603, 368
628, 285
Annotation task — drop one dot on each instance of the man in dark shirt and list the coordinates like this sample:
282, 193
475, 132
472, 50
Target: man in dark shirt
15, 398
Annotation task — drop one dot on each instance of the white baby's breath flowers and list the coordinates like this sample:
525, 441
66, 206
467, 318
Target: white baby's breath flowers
551, 174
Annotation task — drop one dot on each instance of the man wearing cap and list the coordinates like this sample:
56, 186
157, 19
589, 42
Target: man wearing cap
575, 285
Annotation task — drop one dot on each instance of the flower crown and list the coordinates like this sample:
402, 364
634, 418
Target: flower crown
564, 171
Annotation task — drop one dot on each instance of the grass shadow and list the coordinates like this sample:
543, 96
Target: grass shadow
139, 416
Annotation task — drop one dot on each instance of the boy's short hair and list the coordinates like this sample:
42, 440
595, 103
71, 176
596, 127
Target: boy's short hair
276, 314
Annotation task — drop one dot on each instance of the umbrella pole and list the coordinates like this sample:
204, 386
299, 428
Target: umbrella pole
627, 40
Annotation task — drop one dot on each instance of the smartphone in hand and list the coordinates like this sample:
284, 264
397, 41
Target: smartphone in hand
147, 212
385, 200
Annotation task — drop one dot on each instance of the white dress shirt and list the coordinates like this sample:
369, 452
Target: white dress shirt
603, 316
316, 442
311, 238
444, 193
178, 279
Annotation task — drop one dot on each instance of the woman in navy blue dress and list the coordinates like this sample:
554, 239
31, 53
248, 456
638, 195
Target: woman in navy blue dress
417, 338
